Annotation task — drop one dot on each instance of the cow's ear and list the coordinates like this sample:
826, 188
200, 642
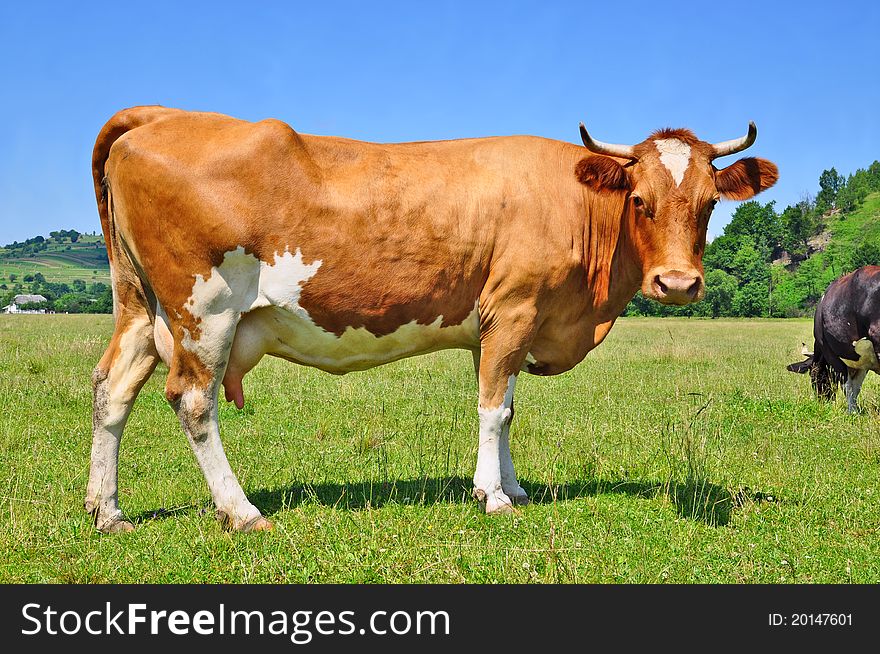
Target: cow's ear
800, 367
746, 178
601, 174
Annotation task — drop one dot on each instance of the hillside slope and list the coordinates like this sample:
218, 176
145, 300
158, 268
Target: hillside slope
58, 259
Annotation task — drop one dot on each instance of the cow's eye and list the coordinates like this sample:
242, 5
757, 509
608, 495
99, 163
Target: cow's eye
640, 205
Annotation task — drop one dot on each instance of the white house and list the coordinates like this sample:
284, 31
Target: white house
19, 300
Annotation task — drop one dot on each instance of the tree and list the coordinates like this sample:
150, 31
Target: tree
69, 303
797, 222
874, 176
720, 291
761, 223
748, 264
720, 252
750, 300
867, 254
830, 183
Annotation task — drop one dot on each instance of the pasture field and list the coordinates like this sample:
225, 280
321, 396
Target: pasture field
60, 262
679, 451
55, 268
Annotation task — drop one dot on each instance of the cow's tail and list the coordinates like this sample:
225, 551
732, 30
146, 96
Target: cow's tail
122, 122
121, 269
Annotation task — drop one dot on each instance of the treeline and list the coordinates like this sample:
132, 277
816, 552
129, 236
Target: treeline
56, 242
76, 297
778, 264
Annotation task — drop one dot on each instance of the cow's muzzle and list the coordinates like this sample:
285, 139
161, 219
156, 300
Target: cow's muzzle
676, 287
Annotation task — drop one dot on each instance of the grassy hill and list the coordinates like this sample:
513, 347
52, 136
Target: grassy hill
58, 259
850, 231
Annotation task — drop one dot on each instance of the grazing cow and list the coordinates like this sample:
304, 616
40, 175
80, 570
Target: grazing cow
846, 333
229, 240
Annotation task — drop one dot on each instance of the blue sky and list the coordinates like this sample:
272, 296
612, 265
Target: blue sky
806, 73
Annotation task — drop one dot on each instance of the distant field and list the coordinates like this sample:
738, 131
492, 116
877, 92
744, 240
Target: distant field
60, 262
679, 451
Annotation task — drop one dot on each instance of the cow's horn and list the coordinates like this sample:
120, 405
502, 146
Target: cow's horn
736, 145
610, 149
805, 351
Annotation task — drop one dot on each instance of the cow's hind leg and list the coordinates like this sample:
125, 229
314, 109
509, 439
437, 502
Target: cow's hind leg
127, 363
194, 380
853, 385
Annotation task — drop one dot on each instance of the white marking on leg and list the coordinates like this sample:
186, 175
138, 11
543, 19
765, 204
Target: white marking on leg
675, 155
488, 476
509, 484
114, 396
198, 415
853, 386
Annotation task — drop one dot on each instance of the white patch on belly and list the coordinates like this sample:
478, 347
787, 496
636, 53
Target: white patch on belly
242, 284
239, 284
867, 356
675, 155
294, 336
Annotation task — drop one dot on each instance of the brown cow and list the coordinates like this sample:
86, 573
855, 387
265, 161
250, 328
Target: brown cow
229, 240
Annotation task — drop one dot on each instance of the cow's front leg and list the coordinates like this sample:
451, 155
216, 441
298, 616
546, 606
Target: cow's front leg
853, 385
509, 485
495, 484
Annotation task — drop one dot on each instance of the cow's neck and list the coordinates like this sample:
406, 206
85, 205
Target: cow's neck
612, 272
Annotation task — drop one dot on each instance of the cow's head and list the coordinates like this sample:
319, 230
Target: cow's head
822, 376
671, 188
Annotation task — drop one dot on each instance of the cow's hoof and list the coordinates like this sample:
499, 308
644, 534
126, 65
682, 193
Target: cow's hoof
494, 503
112, 524
519, 500
260, 524
257, 523
517, 495
118, 527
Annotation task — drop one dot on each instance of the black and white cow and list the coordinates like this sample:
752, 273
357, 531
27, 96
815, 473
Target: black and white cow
846, 330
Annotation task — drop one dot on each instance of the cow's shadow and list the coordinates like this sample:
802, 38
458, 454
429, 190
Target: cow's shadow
697, 500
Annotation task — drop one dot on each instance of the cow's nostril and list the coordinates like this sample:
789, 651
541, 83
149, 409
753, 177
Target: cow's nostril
663, 288
695, 287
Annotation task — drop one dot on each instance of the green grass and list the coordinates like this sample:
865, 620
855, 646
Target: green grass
678, 451
850, 230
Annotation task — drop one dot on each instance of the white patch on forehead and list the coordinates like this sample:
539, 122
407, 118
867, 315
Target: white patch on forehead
675, 155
